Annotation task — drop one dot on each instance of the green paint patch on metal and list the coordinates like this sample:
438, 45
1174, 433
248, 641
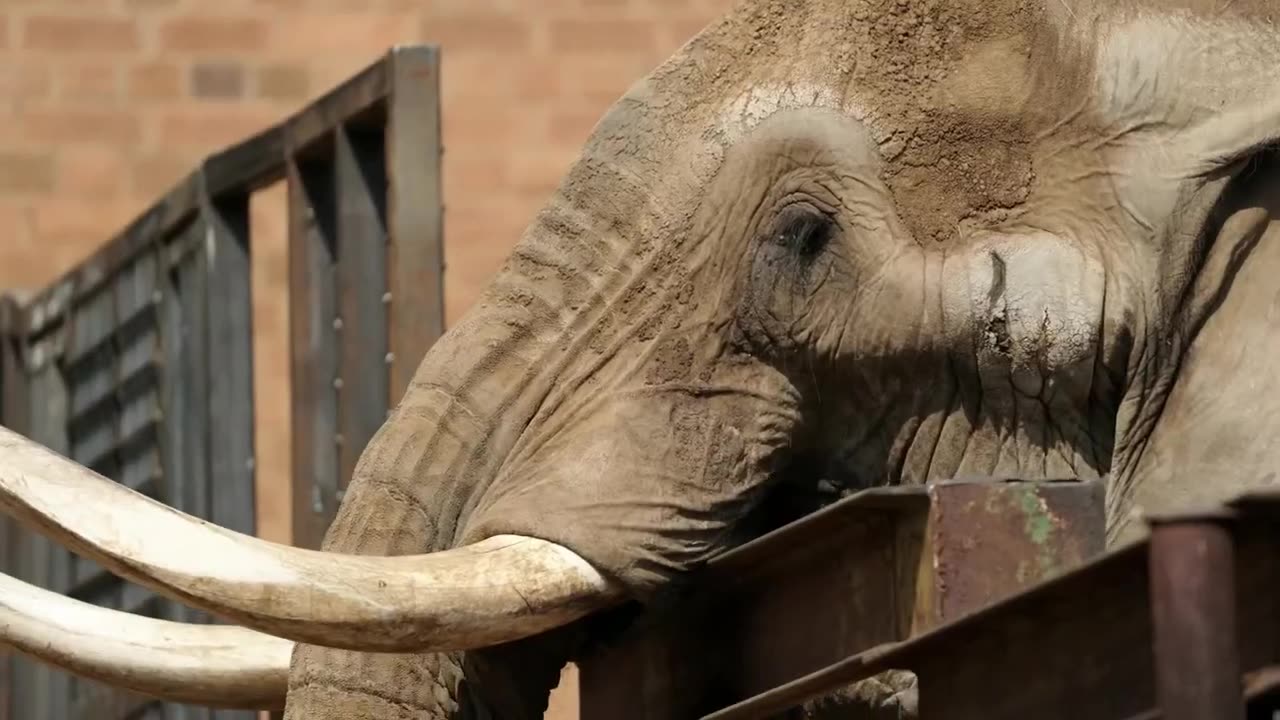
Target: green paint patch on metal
1039, 526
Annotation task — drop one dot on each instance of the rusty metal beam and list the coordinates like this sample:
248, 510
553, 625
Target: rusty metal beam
1083, 644
861, 575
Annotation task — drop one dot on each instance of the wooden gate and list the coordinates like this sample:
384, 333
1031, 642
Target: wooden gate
138, 363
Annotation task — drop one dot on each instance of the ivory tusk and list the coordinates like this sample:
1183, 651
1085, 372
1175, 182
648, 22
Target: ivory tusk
498, 590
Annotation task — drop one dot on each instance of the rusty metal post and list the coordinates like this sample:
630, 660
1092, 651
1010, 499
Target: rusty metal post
1193, 607
985, 541
870, 571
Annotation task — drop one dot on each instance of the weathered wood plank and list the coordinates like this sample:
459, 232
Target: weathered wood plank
230, 438
230, 365
360, 192
188, 488
14, 412
313, 350
415, 217
48, 564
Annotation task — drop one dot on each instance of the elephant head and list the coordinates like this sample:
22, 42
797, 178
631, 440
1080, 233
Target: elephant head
830, 244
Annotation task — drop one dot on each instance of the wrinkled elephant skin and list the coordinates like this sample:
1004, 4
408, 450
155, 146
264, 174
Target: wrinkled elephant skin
833, 244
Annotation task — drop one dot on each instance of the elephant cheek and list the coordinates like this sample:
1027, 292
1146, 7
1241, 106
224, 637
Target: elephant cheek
645, 489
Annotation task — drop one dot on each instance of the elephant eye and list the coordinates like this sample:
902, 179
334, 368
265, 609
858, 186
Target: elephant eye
802, 229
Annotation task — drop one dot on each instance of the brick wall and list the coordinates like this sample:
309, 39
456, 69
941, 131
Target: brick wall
105, 103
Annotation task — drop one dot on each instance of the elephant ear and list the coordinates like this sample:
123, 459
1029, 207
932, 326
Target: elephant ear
1216, 433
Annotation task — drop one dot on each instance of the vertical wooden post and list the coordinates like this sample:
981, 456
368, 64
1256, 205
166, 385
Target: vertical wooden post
366, 289
415, 212
313, 347
360, 192
230, 363
13, 411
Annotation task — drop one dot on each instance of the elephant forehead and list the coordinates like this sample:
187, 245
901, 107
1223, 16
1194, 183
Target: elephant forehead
951, 95
949, 85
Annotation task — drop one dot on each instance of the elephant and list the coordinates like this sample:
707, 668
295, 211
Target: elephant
827, 245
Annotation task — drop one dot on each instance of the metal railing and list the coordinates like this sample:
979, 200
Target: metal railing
997, 596
138, 362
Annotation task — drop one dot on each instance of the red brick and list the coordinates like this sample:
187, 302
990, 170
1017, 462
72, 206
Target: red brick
23, 172
523, 83
479, 32
97, 172
212, 128
215, 34
56, 33
563, 702
155, 81
572, 127
604, 36
15, 218
283, 82
82, 222
154, 174
677, 31
602, 81
96, 83
360, 36
217, 80
67, 126
538, 170
27, 80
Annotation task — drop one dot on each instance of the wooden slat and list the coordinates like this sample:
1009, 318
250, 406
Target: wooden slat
48, 564
313, 349
230, 489
172, 353
187, 488
154, 333
415, 212
14, 412
360, 190
230, 365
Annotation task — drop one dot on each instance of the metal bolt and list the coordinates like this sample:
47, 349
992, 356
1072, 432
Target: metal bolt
337, 324
337, 383
338, 440
386, 298
389, 358
249, 464
317, 502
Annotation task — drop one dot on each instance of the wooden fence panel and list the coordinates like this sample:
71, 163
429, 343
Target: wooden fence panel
138, 363
122, 380
366, 275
